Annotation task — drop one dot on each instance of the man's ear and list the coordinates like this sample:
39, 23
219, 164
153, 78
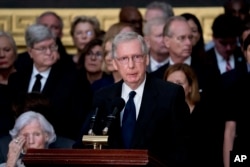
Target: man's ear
147, 59
166, 41
29, 50
147, 41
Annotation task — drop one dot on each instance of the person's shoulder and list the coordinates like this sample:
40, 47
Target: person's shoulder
209, 45
110, 89
160, 83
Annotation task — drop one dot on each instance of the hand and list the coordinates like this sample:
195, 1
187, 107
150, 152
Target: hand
15, 149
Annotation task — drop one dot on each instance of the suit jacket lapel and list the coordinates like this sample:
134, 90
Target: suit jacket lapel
52, 80
146, 110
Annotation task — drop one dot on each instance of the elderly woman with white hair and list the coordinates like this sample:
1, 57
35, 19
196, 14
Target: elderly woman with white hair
31, 130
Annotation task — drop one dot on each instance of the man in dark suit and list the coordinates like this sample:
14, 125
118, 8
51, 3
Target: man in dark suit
226, 55
55, 23
161, 111
68, 92
177, 38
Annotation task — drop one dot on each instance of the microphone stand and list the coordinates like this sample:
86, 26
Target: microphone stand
97, 141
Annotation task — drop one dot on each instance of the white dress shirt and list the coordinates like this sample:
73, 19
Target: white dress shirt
222, 63
137, 99
154, 65
44, 75
187, 61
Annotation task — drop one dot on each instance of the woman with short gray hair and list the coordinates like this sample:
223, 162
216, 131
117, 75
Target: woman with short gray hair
83, 30
31, 130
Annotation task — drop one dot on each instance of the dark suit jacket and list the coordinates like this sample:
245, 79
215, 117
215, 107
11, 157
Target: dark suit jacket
69, 94
208, 78
6, 117
238, 56
230, 77
160, 126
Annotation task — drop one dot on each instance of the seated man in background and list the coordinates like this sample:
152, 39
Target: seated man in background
68, 92
55, 23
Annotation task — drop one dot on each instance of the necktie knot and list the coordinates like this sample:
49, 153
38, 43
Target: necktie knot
38, 76
132, 94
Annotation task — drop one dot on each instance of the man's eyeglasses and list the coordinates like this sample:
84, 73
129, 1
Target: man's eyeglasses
97, 54
135, 58
52, 48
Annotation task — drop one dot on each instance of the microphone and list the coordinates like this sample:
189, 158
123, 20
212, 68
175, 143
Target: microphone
118, 104
98, 104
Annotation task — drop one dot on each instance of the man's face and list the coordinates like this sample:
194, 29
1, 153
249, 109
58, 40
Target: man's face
44, 54
179, 42
53, 24
238, 9
155, 41
132, 71
225, 46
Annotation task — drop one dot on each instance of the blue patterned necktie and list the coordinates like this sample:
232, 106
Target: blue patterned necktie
129, 120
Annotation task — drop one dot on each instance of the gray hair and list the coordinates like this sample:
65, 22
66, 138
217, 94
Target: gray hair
147, 28
166, 29
47, 13
128, 36
11, 40
165, 7
89, 19
26, 118
36, 33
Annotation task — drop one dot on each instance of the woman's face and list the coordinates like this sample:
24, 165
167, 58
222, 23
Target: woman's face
83, 33
178, 77
195, 32
108, 56
7, 53
94, 60
34, 135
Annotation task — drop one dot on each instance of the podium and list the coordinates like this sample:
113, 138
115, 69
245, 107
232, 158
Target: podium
90, 158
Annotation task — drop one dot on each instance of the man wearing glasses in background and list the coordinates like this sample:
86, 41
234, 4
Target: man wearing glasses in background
159, 110
55, 23
68, 92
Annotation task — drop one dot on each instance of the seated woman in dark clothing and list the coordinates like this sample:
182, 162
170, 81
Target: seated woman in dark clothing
91, 64
31, 130
8, 55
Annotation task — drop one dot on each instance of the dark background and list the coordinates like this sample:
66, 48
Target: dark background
103, 3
